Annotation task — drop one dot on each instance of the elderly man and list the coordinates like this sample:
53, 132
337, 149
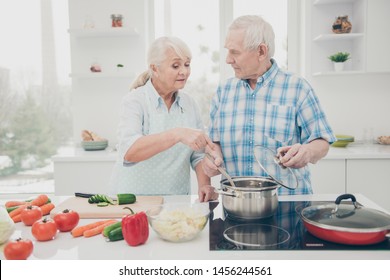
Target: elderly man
264, 105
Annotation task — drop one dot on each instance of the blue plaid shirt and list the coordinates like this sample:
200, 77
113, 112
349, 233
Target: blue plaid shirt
282, 110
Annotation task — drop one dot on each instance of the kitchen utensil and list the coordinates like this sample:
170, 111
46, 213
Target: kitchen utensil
343, 140
255, 197
88, 195
92, 211
94, 145
346, 224
270, 164
178, 222
222, 170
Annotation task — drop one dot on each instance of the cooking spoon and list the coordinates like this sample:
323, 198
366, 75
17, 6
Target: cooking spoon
222, 170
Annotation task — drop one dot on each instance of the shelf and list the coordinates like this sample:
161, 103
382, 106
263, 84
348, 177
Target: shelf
100, 75
326, 2
108, 32
338, 37
334, 73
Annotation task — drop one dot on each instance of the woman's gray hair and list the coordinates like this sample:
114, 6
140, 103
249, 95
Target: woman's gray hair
257, 31
157, 53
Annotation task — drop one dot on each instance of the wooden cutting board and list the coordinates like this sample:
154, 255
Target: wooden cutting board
92, 211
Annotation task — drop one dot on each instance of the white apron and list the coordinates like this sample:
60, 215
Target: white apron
166, 173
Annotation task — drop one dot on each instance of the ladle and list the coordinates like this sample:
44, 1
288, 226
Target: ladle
222, 170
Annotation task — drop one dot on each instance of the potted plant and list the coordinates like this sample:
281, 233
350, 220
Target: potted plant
339, 59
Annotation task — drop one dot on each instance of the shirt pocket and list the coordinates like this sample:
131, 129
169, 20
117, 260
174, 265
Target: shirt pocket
279, 122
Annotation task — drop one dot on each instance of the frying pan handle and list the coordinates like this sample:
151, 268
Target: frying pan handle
342, 197
346, 196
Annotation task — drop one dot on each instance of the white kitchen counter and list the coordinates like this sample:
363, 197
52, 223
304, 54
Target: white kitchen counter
360, 151
66, 247
352, 151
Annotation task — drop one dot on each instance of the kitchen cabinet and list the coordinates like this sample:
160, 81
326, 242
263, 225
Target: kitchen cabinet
328, 176
370, 177
96, 96
366, 43
323, 42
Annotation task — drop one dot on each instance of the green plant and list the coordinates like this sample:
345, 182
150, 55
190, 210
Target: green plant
340, 57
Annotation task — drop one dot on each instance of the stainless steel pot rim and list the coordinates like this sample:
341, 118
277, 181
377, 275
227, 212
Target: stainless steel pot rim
250, 189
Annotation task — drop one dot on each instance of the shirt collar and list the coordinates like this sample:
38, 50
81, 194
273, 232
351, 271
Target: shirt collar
264, 79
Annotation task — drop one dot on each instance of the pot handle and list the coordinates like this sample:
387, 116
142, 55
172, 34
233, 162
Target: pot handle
224, 192
343, 197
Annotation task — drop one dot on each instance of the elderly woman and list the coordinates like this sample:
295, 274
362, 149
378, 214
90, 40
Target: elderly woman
160, 132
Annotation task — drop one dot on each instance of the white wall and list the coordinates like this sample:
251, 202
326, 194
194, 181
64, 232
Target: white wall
356, 102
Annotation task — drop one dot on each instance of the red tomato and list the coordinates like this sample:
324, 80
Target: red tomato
20, 249
45, 229
30, 215
66, 220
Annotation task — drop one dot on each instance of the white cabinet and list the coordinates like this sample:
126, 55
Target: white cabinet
323, 42
370, 177
328, 176
367, 43
96, 96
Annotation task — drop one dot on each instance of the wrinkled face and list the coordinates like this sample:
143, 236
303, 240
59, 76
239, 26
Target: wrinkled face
172, 74
245, 63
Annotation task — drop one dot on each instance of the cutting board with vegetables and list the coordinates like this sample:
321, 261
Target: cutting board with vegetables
92, 211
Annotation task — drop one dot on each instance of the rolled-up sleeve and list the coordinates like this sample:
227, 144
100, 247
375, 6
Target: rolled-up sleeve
130, 126
196, 157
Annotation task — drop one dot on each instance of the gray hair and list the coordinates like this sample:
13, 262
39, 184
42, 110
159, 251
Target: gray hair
157, 53
257, 31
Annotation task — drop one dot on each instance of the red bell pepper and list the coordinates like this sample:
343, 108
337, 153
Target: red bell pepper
135, 228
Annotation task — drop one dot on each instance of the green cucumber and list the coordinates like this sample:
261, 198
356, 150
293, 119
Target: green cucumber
115, 234
102, 204
111, 227
98, 198
126, 198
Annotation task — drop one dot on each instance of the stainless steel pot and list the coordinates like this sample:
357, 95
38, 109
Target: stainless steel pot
252, 197
256, 197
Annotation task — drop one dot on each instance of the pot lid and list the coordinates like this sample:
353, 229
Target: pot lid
346, 217
270, 164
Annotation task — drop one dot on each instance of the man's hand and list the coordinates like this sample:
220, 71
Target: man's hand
299, 155
210, 167
207, 193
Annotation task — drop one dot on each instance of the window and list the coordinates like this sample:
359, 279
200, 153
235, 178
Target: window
202, 25
35, 118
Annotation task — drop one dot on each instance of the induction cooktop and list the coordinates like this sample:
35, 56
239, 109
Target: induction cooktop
283, 231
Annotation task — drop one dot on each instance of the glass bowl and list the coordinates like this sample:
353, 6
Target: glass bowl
178, 222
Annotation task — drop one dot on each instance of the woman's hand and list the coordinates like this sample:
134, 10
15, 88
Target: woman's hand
207, 193
196, 139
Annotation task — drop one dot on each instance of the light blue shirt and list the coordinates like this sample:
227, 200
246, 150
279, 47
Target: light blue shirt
282, 110
144, 112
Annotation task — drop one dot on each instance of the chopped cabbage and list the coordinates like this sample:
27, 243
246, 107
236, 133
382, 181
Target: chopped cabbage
7, 226
179, 225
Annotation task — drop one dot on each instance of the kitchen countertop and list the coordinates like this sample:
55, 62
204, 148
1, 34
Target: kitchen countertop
66, 247
352, 151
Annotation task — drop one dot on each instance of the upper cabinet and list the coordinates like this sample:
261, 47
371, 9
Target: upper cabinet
106, 56
366, 41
